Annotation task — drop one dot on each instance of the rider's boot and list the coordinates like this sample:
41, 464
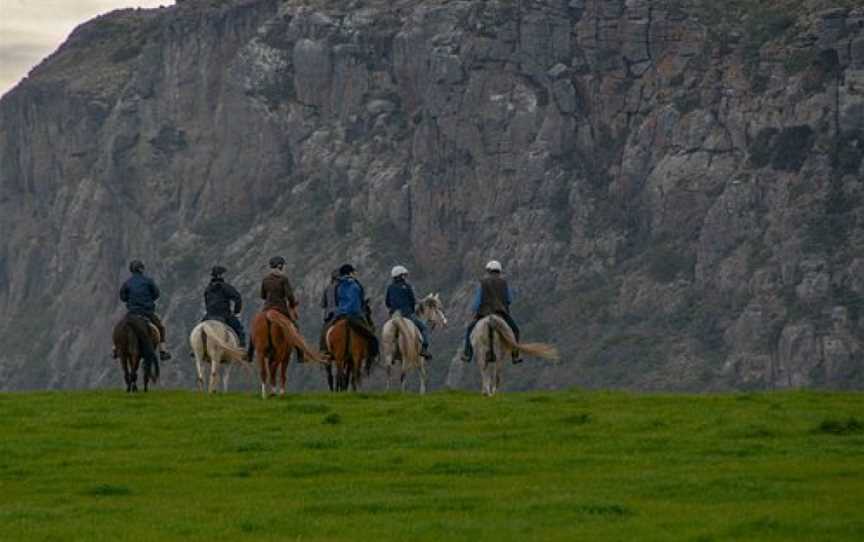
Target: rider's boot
424, 351
517, 357
164, 355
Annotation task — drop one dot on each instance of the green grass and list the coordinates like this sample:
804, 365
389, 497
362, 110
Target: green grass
449, 466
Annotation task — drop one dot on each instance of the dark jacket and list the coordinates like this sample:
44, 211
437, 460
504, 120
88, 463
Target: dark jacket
139, 293
328, 301
276, 292
218, 297
400, 297
493, 297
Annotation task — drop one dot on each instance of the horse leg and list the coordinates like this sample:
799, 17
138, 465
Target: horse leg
283, 377
200, 371
213, 381
329, 372
264, 372
226, 376
422, 376
485, 371
127, 378
403, 377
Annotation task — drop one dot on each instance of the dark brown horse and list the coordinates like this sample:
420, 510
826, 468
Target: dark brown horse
275, 337
350, 351
128, 337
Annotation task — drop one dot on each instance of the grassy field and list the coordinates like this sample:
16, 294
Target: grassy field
448, 466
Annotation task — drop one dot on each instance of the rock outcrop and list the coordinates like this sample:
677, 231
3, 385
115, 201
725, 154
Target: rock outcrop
674, 187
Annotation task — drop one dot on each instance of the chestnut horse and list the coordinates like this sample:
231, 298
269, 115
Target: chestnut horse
126, 336
350, 350
275, 337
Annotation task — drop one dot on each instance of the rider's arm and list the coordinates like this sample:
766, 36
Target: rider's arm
289, 293
387, 300
478, 298
124, 292
238, 301
412, 300
154, 290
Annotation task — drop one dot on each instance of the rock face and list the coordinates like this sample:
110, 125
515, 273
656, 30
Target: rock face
674, 187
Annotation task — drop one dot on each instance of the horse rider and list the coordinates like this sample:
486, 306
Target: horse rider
276, 290
218, 297
351, 305
328, 307
140, 293
400, 297
278, 295
493, 297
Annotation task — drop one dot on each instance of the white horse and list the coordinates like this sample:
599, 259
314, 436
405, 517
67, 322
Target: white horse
493, 342
401, 340
216, 343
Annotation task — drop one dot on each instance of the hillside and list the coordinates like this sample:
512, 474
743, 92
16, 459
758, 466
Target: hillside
539, 466
674, 187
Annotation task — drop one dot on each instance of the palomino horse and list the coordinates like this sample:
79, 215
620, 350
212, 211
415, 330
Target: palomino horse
349, 350
401, 340
274, 337
126, 337
215, 343
493, 342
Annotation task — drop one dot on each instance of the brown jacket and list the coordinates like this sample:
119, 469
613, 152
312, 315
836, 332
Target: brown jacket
277, 293
494, 297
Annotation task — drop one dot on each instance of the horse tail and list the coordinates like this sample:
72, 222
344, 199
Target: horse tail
290, 330
407, 337
232, 352
540, 350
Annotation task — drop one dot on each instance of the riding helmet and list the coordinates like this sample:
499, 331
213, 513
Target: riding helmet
398, 271
136, 266
494, 266
217, 271
346, 269
277, 261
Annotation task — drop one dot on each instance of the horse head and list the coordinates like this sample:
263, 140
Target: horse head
431, 309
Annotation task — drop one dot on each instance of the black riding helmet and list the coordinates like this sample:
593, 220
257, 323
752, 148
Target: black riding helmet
277, 261
136, 266
346, 269
217, 271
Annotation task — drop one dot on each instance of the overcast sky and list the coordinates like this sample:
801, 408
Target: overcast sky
30, 30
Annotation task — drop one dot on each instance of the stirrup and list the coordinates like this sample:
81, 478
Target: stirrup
164, 356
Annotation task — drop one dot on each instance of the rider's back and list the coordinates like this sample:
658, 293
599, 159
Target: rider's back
140, 293
494, 296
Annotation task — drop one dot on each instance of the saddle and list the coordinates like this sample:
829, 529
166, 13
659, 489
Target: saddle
154, 331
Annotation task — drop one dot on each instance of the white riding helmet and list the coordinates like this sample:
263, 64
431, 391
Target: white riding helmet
493, 265
398, 271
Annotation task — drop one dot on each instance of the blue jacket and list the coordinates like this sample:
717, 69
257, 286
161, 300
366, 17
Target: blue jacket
140, 294
349, 297
400, 297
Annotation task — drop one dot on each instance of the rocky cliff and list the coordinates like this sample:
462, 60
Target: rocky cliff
674, 186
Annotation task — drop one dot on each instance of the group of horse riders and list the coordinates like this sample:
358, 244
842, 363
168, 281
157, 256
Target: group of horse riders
344, 298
